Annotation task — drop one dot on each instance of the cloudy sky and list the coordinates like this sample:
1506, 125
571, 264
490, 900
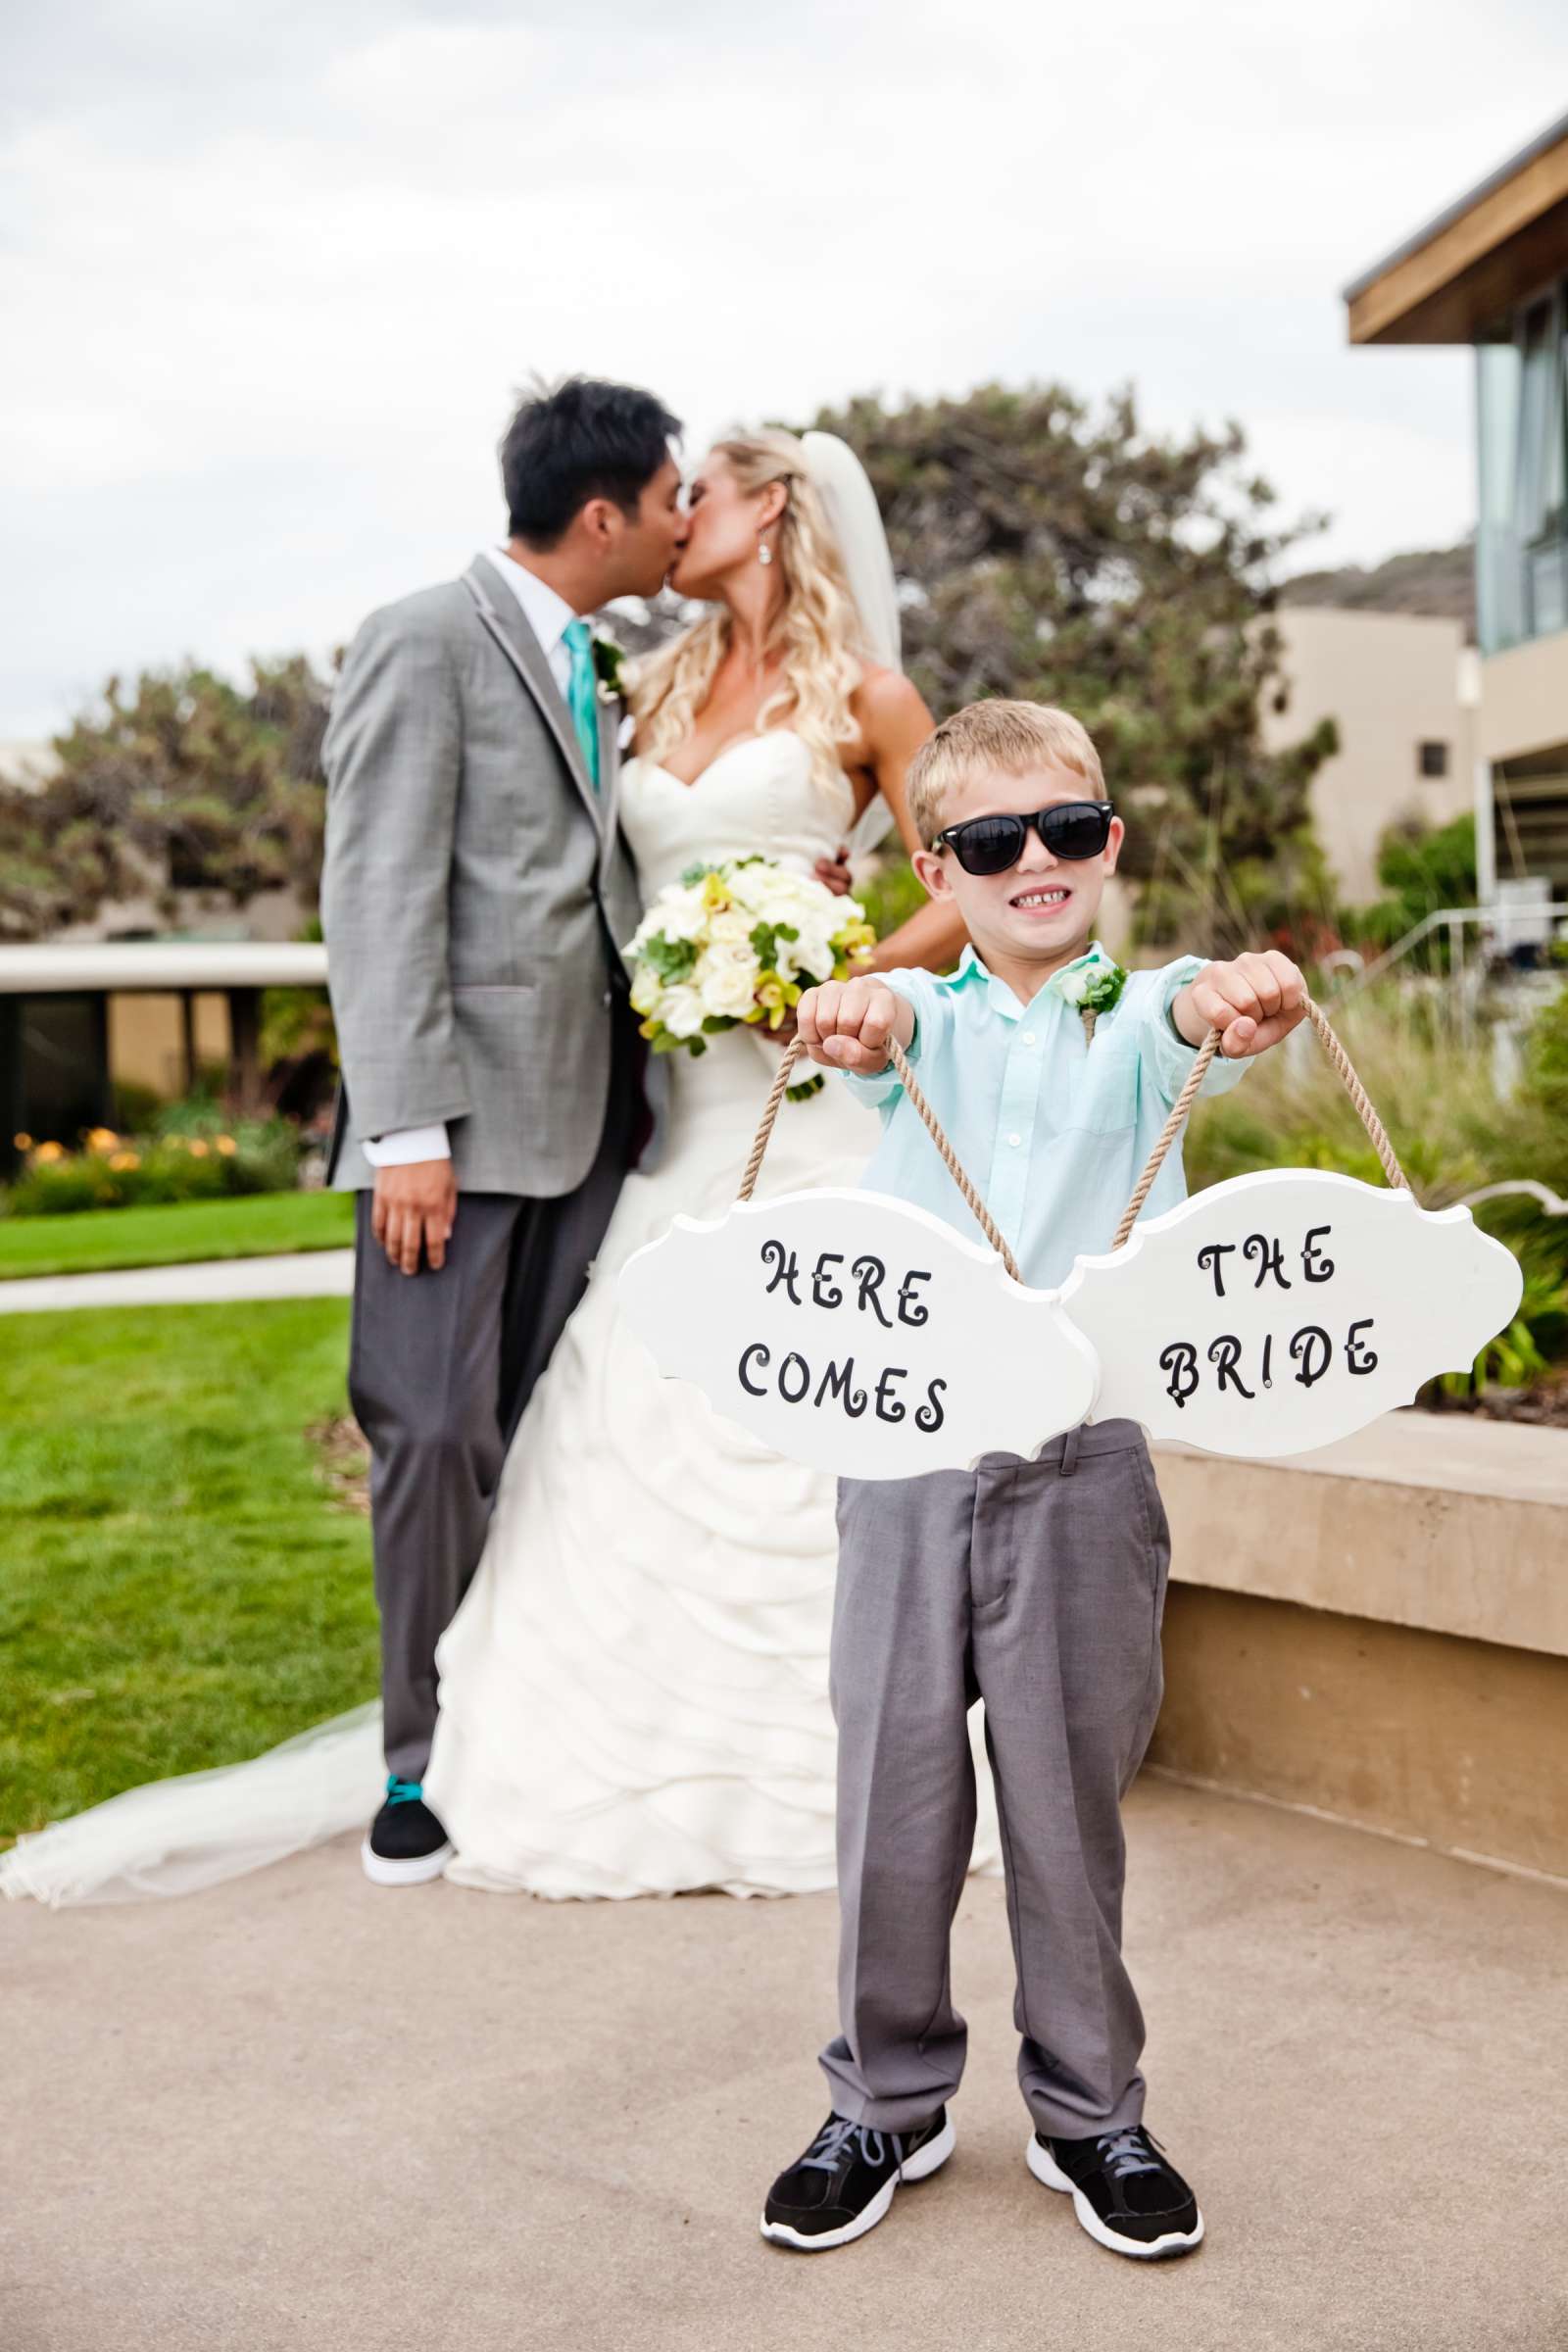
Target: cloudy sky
270, 275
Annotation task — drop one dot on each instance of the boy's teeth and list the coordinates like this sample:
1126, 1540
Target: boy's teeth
1040, 897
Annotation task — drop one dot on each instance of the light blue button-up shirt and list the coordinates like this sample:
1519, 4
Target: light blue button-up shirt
1053, 1131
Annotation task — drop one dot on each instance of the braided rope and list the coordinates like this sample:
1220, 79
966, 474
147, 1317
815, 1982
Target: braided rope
933, 1126
1343, 1068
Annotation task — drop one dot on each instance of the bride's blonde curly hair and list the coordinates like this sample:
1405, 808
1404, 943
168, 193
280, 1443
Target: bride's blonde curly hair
817, 625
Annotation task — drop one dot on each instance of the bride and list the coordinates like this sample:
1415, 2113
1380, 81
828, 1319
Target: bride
633, 1692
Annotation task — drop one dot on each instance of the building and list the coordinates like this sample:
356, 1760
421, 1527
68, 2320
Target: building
1492, 270
1402, 690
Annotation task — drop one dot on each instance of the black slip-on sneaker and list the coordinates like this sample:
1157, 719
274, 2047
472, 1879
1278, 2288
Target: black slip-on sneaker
844, 2184
1124, 2192
405, 1843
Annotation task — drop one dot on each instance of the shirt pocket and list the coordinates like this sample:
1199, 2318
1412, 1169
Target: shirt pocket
1106, 1100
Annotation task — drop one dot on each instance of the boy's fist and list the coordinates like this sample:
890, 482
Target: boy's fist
1252, 1003
846, 1024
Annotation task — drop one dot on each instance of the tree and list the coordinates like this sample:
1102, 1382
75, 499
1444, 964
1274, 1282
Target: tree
185, 782
1047, 552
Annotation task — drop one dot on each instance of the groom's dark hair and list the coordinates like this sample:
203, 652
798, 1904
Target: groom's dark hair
579, 440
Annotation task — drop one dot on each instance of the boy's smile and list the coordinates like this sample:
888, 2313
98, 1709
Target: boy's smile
1029, 920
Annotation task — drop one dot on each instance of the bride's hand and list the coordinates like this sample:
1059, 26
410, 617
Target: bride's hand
834, 872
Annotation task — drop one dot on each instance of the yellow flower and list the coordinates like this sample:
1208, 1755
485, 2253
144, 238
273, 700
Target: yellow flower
197, 1148
715, 893
23, 1143
124, 1159
49, 1151
102, 1138
228, 1145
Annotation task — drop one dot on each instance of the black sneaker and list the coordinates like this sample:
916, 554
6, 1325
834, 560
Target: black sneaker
405, 1843
1123, 2192
844, 2184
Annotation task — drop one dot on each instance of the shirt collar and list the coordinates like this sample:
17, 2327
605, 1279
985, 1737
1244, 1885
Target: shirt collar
547, 614
999, 995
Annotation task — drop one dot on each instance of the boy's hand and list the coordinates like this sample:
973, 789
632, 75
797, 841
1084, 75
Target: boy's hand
846, 1024
1252, 1003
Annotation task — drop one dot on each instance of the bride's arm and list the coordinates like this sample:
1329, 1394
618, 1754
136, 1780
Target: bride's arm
894, 723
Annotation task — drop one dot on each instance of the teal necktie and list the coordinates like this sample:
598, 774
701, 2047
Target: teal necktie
583, 698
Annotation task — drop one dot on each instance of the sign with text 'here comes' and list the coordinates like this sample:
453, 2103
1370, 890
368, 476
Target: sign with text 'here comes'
858, 1334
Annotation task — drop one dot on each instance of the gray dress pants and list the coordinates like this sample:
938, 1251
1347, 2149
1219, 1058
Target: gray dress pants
1037, 1587
440, 1368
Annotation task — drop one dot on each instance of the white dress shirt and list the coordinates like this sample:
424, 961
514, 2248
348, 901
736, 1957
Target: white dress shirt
549, 616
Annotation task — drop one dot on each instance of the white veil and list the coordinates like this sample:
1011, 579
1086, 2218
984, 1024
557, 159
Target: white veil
842, 483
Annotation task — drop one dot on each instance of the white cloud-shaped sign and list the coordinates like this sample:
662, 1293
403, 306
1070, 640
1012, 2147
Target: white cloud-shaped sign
858, 1334
1280, 1311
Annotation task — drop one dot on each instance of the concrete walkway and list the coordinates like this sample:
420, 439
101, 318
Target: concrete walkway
303, 2115
304, 1274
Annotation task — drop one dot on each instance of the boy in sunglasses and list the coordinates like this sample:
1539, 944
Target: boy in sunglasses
1038, 1586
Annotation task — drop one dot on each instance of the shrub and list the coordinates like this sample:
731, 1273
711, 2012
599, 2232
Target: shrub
198, 1161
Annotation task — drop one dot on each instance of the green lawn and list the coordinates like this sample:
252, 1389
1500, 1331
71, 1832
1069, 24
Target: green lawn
260, 1225
177, 1587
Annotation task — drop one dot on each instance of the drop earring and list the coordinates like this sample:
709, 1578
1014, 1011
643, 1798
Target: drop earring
765, 554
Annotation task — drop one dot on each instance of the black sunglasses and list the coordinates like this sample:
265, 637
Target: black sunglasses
989, 845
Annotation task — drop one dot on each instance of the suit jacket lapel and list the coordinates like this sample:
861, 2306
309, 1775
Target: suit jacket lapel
611, 713
501, 614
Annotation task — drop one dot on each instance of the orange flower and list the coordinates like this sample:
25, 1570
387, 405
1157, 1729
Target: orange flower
228, 1145
198, 1150
101, 1138
23, 1143
124, 1159
49, 1151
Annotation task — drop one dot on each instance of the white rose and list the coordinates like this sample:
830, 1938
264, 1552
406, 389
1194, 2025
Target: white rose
732, 928
646, 990
725, 978
681, 1010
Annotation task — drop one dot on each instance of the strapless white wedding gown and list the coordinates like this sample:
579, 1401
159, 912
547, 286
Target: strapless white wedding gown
634, 1692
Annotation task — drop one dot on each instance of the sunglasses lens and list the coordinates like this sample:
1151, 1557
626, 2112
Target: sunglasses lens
1079, 830
989, 845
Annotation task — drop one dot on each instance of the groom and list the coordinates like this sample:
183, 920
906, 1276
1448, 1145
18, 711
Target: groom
474, 893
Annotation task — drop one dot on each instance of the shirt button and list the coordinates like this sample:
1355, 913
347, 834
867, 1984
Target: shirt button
1028, 1037
1015, 1139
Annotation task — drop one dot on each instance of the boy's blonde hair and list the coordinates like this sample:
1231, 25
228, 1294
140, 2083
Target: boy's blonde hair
1013, 737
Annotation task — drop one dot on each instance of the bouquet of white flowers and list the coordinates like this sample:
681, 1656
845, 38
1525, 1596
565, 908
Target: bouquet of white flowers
735, 945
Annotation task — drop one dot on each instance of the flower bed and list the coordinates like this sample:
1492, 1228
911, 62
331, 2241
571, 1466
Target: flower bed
193, 1157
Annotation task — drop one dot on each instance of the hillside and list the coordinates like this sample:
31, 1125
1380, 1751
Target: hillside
1431, 581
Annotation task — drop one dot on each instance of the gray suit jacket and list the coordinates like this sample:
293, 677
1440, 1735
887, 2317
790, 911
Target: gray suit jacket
474, 894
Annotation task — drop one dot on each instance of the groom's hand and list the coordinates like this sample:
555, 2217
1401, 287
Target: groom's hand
415, 1207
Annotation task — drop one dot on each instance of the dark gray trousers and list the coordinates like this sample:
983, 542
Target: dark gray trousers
440, 1368
1037, 1587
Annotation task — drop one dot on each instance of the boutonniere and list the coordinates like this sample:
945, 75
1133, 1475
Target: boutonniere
1093, 983
609, 663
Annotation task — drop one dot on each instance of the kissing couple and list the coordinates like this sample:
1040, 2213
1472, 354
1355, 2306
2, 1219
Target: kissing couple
604, 1613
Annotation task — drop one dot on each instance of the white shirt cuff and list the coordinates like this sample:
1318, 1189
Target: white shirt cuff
405, 1145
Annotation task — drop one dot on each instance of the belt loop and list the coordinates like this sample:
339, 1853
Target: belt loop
1070, 1451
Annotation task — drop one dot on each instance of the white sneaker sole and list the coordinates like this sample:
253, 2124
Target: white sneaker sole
413, 1873
1044, 2167
921, 2165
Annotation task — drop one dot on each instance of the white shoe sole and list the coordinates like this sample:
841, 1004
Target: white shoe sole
1044, 2167
413, 1873
921, 2165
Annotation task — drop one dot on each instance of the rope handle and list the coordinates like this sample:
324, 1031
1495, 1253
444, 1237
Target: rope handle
1345, 1069
896, 1055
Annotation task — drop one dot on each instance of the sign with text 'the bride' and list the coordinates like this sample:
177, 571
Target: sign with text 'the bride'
1280, 1311
858, 1334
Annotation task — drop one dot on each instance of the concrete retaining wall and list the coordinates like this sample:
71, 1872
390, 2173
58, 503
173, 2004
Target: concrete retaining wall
1379, 1632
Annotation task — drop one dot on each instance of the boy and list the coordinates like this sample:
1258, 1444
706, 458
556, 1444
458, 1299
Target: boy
1038, 1586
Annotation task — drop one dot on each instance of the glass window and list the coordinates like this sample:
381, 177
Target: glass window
1499, 581
1432, 758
